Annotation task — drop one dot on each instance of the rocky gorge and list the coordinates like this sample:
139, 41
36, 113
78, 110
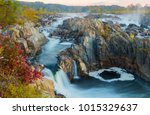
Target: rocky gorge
101, 45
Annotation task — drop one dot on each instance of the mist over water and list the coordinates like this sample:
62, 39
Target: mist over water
126, 19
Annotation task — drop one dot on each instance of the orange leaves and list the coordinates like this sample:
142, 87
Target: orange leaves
27, 14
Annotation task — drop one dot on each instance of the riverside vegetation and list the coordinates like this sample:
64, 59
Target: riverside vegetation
19, 39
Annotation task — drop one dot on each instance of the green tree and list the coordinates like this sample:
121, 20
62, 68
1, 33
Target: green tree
8, 12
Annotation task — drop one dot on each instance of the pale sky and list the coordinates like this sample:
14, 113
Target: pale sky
93, 2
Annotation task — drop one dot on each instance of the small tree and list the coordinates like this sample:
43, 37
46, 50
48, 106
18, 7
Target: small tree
15, 73
27, 14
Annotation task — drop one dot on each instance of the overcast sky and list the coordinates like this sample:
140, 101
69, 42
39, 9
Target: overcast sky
94, 2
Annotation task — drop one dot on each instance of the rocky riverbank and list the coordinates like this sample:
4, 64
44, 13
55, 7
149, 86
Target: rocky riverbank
101, 45
30, 38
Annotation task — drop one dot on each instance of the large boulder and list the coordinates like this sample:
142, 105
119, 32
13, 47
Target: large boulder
29, 37
132, 28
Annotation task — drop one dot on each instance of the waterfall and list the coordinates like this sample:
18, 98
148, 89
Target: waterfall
75, 70
48, 74
60, 79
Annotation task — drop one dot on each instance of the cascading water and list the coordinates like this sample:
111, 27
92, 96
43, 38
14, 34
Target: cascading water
75, 70
60, 80
48, 74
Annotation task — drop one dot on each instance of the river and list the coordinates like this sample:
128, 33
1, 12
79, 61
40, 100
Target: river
127, 86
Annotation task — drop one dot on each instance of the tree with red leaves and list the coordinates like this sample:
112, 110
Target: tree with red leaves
13, 61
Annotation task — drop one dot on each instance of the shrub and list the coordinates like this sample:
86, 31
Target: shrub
14, 70
131, 37
19, 90
14, 61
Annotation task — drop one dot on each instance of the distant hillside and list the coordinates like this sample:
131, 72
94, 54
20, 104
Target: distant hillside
94, 9
52, 7
64, 8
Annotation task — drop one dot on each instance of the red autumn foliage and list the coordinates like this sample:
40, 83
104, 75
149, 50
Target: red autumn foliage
13, 62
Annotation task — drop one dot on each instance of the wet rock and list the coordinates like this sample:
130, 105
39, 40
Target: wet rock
46, 19
123, 25
59, 96
132, 28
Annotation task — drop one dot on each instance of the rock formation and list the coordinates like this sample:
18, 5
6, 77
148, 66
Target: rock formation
99, 45
27, 36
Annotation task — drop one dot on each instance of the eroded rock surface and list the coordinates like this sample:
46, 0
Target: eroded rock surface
29, 37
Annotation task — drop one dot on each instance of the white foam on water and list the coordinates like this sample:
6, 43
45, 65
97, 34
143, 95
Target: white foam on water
66, 43
124, 76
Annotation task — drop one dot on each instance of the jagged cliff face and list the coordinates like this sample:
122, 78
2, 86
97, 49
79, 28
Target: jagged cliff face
28, 37
99, 45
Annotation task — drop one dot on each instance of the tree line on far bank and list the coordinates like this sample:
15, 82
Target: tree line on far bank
11, 12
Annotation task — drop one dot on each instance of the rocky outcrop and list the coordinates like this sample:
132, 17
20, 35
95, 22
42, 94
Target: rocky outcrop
28, 37
47, 19
67, 59
99, 45
72, 29
45, 86
137, 30
132, 28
